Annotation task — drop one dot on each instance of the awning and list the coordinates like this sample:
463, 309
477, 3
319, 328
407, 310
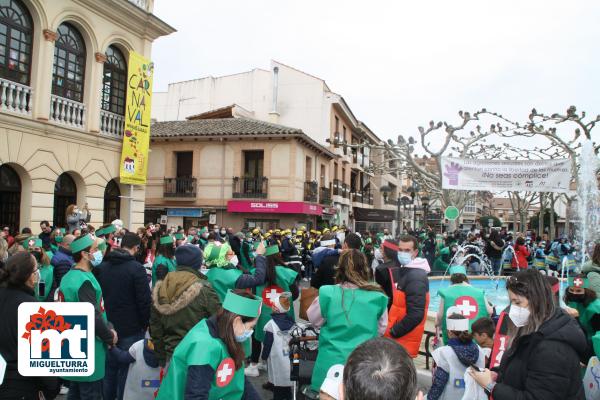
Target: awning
371, 214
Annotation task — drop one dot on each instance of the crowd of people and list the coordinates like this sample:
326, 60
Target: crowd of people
193, 313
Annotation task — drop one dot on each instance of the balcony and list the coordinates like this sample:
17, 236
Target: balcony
357, 197
15, 97
112, 124
180, 187
345, 191
337, 187
365, 197
249, 188
67, 112
311, 190
325, 196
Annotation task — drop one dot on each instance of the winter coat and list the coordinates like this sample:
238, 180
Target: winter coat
544, 364
62, 262
15, 385
325, 274
126, 293
180, 301
592, 271
520, 258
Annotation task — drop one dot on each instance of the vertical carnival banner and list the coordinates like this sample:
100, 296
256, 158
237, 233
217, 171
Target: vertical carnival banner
136, 140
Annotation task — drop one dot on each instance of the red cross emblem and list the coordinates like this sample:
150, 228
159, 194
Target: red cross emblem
31, 243
468, 306
269, 293
225, 372
578, 282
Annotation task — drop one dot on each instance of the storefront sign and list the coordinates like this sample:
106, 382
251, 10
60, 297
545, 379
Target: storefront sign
184, 212
134, 156
375, 215
274, 207
330, 210
500, 175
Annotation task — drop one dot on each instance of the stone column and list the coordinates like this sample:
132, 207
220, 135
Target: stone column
43, 76
94, 93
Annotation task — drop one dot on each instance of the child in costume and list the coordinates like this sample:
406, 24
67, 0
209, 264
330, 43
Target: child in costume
451, 380
276, 346
143, 377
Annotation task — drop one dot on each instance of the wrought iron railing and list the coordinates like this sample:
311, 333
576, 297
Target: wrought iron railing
325, 196
180, 187
311, 191
248, 188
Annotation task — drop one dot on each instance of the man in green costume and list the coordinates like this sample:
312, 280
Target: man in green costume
208, 363
80, 285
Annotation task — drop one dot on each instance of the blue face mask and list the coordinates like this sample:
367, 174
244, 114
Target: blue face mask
97, 258
404, 258
244, 336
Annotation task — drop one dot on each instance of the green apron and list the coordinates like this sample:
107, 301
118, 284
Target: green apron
285, 278
69, 289
46, 275
198, 347
586, 314
170, 263
466, 297
352, 317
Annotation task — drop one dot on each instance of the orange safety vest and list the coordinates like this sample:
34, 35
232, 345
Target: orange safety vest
412, 340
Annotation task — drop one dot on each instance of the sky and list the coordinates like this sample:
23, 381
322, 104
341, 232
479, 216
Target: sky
399, 64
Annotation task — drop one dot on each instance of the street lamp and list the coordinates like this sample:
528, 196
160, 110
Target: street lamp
405, 200
414, 192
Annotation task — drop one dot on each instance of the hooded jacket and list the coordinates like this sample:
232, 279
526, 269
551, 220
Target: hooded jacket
544, 364
180, 301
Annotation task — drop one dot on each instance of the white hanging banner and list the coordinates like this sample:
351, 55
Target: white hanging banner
501, 175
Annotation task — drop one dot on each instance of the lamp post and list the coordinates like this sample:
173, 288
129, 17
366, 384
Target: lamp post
405, 200
425, 203
414, 193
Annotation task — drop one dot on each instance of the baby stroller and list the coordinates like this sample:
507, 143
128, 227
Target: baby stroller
303, 347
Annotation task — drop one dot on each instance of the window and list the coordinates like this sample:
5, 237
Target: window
16, 31
69, 64
114, 81
253, 163
337, 126
185, 161
10, 197
470, 207
65, 194
112, 201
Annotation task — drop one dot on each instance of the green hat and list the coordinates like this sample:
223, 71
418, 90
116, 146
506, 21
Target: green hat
272, 250
578, 281
179, 236
458, 269
166, 240
107, 230
81, 243
190, 238
241, 305
63, 230
102, 245
216, 256
32, 242
204, 229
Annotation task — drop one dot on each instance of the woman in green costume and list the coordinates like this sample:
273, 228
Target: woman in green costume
279, 279
208, 362
165, 256
45, 285
348, 313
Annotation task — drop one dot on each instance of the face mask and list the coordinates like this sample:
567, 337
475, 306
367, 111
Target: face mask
404, 258
97, 258
223, 233
578, 298
518, 315
244, 336
234, 260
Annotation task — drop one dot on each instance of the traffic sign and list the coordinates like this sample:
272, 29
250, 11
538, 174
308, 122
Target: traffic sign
451, 213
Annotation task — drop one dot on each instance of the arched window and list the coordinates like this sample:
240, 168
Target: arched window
65, 193
10, 197
114, 81
112, 201
69, 63
16, 29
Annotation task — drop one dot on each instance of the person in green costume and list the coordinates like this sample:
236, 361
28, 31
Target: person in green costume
279, 279
165, 256
348, 313
470, 300
223, 271
45, 285
584, 300
208, 362
80, 285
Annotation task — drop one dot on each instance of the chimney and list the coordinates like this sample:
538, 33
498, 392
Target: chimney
274, 114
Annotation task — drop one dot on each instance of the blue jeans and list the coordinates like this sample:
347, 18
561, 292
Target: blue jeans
85, 390
116, 373
496, 265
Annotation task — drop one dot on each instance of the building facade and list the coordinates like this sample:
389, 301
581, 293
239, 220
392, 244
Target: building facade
236, 172
63, 77
294, 98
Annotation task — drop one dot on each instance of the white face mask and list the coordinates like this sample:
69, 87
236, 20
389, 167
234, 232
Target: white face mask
519, 315
234, 260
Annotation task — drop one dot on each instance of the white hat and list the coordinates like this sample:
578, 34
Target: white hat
331, 384
275, 300
118, 224
457, 325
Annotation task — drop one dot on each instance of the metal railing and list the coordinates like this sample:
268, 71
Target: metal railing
311, 191
67, 112
248, 188
15, 97
180, 187
357, 197
337, 187
325, 196
111, 124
